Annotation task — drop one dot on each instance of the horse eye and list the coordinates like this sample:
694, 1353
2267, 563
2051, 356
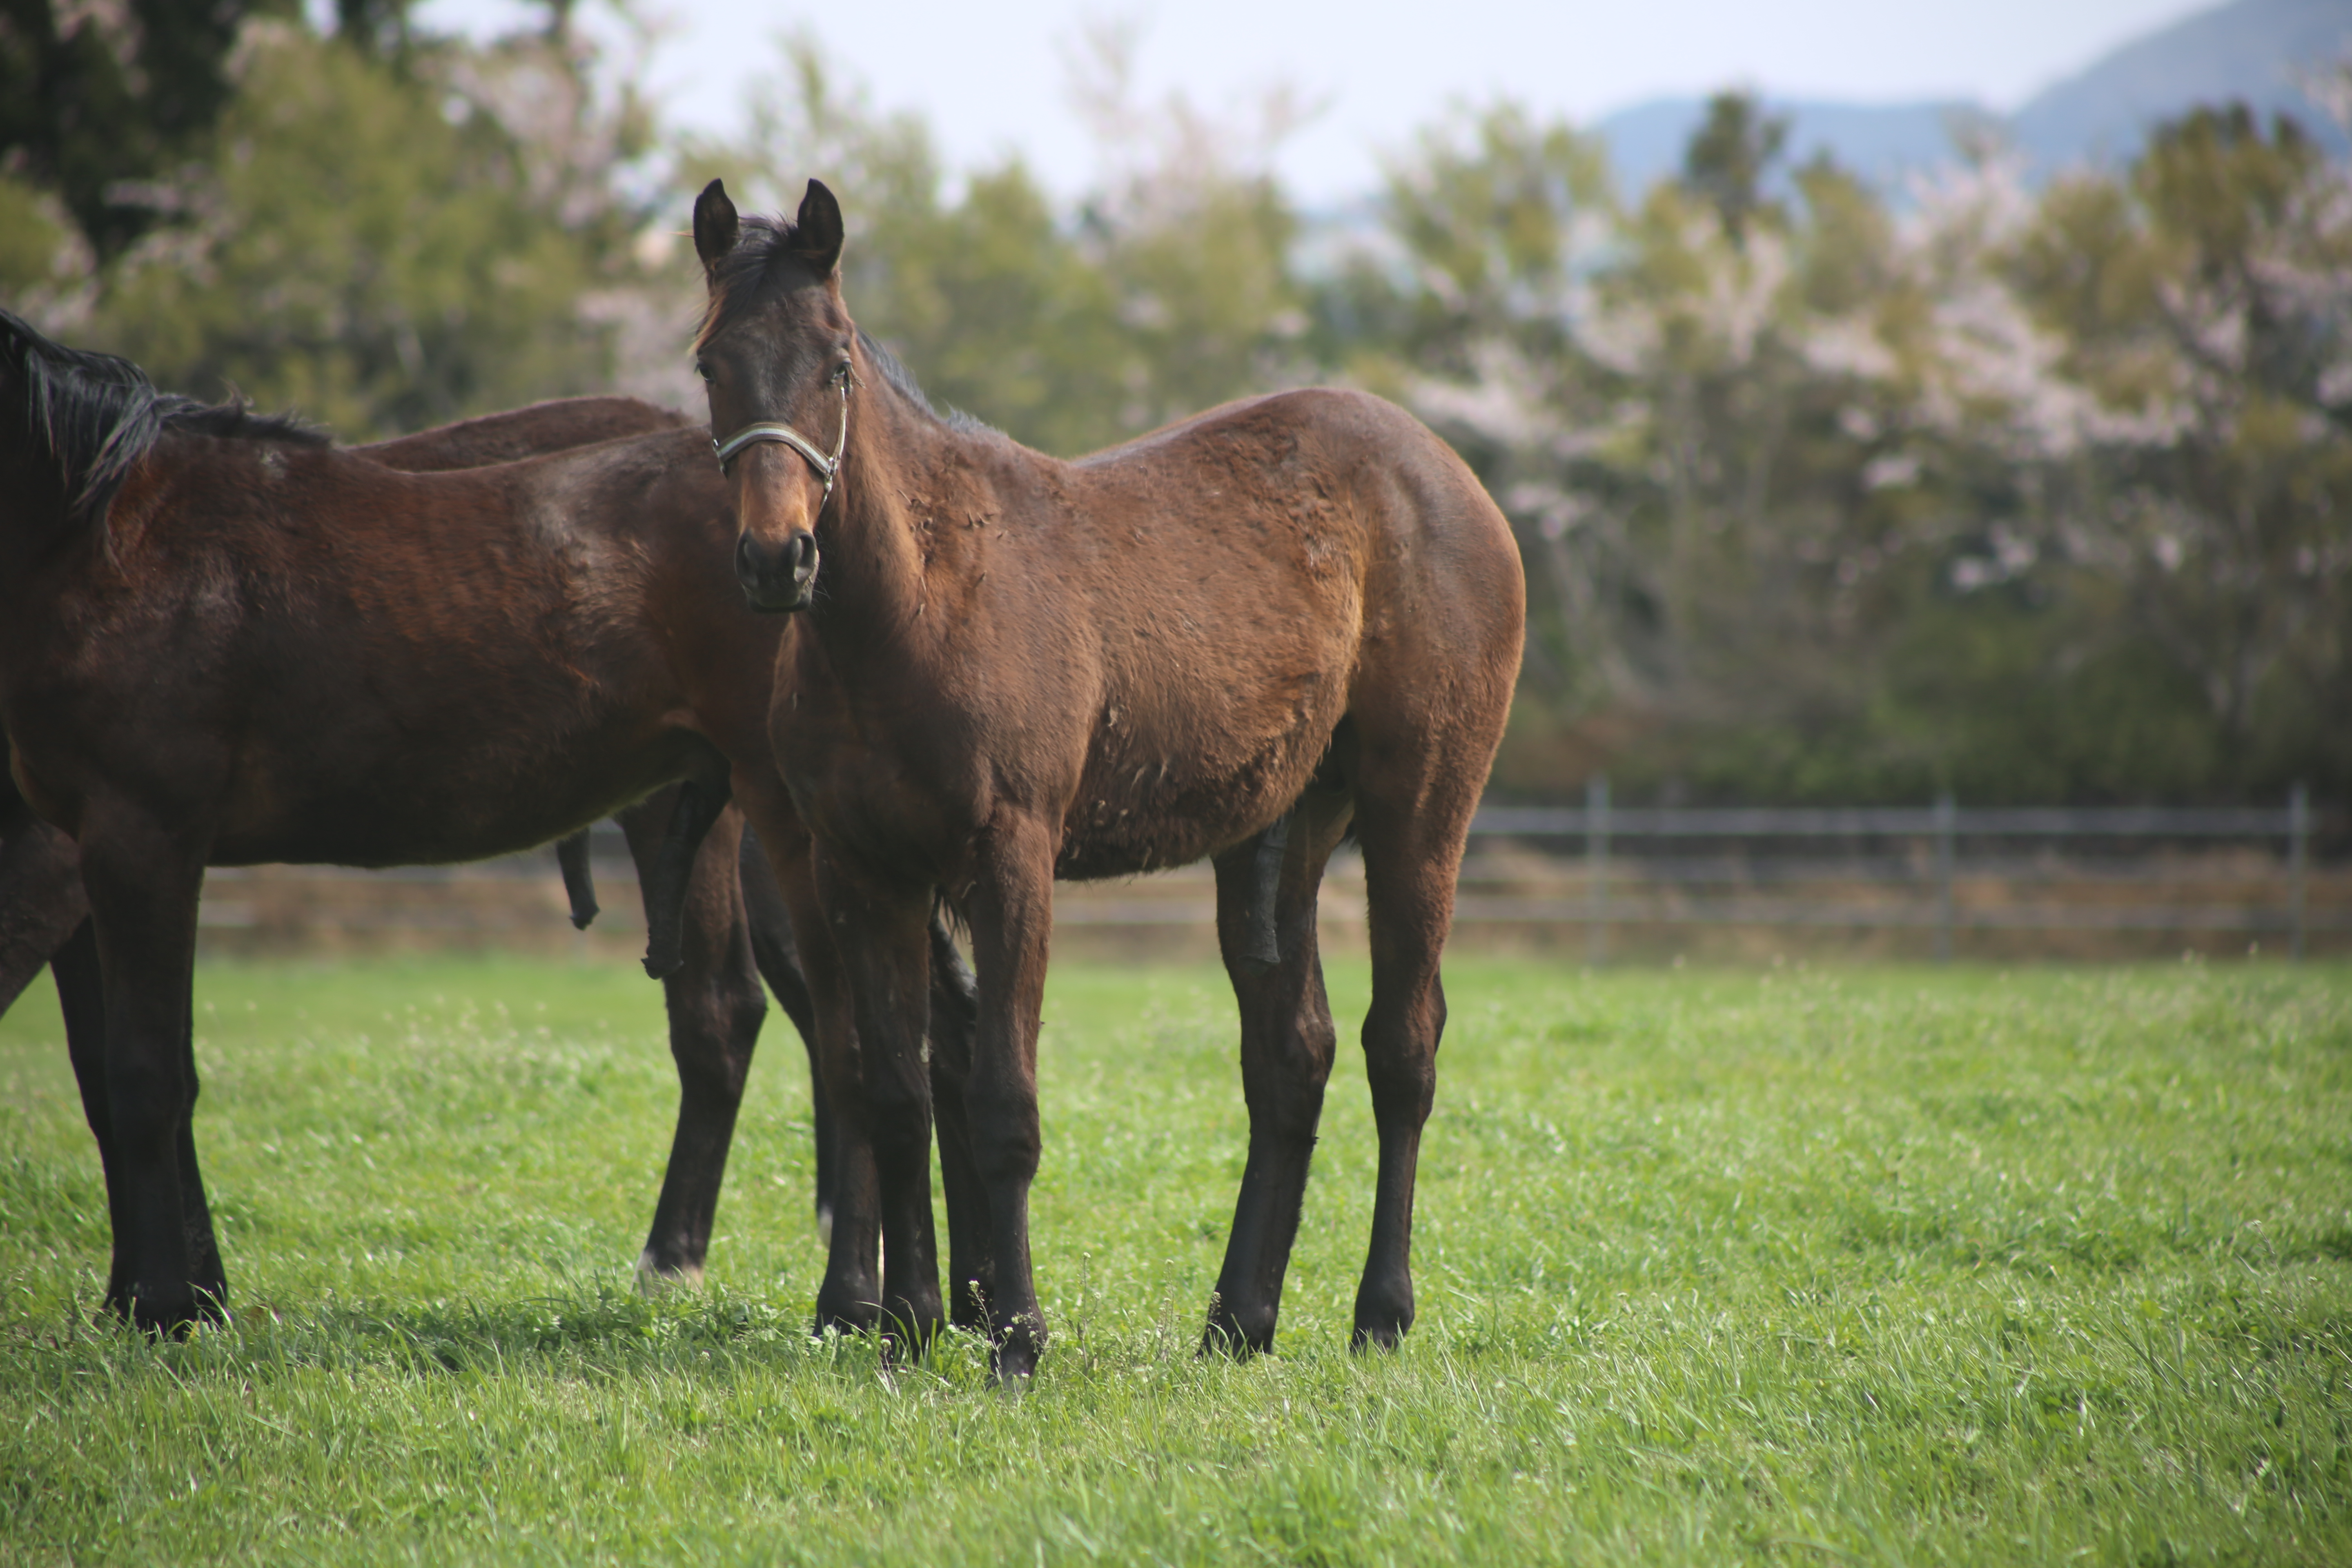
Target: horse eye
840, 373
703, 370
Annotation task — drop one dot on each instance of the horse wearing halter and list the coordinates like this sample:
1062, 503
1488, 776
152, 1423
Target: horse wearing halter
828, 467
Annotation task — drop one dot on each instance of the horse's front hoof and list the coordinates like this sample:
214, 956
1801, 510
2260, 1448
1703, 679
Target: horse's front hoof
173, 1317
1379, 1326
1014, 1356
909, 1329
656, 1279
1239, 1334
843, 1314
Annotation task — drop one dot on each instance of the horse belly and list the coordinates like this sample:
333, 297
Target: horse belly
1156, 796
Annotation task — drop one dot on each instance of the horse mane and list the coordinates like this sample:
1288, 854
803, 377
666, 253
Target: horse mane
738, 285
97, 415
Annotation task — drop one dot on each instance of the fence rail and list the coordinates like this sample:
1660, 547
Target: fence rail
1600, 876
1602, 827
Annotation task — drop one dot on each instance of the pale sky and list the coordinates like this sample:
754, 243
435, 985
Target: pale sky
991, 77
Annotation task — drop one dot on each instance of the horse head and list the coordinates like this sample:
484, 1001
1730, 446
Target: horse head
778, 352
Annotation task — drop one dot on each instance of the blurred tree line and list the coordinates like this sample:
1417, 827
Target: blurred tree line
2033, 494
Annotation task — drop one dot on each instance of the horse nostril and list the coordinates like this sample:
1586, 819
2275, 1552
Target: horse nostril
800, 556
747, 564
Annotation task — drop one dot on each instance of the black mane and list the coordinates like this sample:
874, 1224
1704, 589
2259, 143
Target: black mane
97, 415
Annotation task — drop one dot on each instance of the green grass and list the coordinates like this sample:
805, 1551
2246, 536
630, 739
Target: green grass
1883, 1266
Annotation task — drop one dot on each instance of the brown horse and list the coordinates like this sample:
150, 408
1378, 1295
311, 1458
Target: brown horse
223, 642
1243, 636
40, 882
709, 971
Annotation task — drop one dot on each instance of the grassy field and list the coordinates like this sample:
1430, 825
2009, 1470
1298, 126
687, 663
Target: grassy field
1874, 1265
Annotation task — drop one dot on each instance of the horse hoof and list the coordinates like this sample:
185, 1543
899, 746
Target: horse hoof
654, 1281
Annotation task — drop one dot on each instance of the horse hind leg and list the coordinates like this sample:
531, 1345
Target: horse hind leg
1411, 826
716, 1007
1267, 891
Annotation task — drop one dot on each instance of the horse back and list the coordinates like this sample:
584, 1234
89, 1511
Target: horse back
1219, 597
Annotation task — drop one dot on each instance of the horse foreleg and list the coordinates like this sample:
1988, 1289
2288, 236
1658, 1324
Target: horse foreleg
81, 999
716, 1007
41, 901
880, 934
1267, 901
143, 889
778, 956
579, 881
850, 1298
663, 881
1011, 912
955, 1014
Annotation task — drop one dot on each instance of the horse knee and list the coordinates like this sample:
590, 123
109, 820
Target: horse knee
713, 1029
1004, 1141
1402, 1084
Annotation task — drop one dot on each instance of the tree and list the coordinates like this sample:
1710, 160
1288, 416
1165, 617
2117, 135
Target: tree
100, 104
385, 245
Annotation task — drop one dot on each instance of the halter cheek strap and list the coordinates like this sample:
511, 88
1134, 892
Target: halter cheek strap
828, 467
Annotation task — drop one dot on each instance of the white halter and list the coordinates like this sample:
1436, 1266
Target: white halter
827, 469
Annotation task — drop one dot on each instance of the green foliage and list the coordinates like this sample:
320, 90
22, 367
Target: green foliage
2029, 497
367, 260
99, 110
1169, 292
1728, 157
1883, 1266
2027, 494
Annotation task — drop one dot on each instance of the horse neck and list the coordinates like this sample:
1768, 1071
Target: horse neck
35, 517
870, 605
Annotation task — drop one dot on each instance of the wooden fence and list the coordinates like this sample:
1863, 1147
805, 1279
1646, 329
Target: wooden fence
1593, 884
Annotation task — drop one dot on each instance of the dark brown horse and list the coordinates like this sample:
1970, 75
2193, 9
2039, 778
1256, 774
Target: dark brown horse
41, 902
1243, 636
222, 641
43, 915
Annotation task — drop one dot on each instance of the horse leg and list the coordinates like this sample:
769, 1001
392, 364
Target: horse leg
850, 1298
955, 1005
778, 956
81, 998
1413, 820
664, 882
716, 1007
955, 1012
41, 901
143, 890
880, 932
1266, 933
579, 881
1011, 912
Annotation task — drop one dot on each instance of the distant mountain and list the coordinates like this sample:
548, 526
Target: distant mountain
1882, 143
2250, 49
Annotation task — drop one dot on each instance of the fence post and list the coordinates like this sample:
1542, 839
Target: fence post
2298, 862
1946, 827
1596, 867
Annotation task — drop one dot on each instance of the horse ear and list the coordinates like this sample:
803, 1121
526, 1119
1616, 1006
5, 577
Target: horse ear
816, 232
715, 224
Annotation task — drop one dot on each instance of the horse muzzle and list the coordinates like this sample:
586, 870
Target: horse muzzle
777, 578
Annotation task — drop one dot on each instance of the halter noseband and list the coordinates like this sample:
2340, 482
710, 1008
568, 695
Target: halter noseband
827, 469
